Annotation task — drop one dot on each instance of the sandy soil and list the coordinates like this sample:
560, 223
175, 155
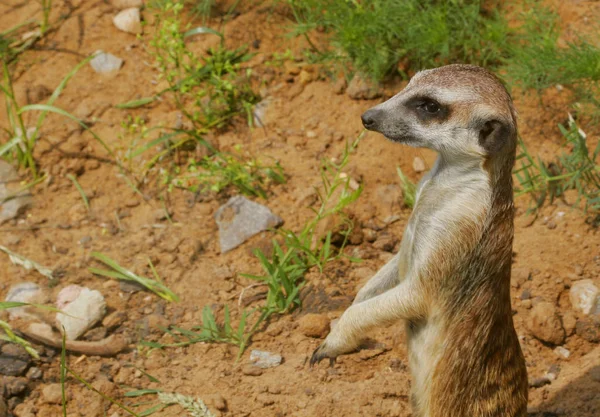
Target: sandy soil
551, 251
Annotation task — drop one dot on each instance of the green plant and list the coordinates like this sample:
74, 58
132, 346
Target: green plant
409, 189
9, 335
576, 169
374, 35
155, 285
194, 406
217, 87
86, 202
221, 170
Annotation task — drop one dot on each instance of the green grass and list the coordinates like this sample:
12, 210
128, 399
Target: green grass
155, 285
409, 189
574, 169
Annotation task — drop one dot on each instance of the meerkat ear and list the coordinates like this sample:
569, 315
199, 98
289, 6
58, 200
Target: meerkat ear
493, 136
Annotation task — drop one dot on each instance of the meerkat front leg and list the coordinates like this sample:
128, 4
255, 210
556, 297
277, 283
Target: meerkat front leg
405, 301
385, 279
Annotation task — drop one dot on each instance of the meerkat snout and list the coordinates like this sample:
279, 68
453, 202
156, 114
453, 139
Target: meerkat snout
454, 110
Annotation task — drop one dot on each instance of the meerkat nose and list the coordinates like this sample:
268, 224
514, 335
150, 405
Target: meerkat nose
370, 118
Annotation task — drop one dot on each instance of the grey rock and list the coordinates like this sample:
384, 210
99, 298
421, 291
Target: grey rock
239, 219
83, 307
589, 329
264, 360
25, 292
130, 286
15, 386
34, 373
14, 199
12, 366
52, 394
104, 63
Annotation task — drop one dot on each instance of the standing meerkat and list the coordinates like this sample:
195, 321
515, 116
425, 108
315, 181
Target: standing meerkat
450, 280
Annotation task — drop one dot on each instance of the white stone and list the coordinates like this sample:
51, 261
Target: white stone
104, 63
562, 352
264, 360
83, 308
584, 295
418, 164
129, 20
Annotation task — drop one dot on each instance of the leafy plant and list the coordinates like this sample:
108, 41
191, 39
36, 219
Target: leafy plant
155, 285
374, 35
220, 171
9, 335
217, 87
573, 170
409, 189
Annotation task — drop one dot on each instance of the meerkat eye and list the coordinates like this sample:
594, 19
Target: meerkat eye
430, 107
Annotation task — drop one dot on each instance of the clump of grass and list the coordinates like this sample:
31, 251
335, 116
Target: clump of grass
575, 169
155, 285
374, 35
409, 189
217, 86
221, 171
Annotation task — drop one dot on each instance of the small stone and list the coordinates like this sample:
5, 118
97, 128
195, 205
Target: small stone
584, 295
14, 360
85, 241
157, 322
418, 164
252, 370
129, 21
15, 386
126, 4
385, 241
130, 287
96, 334
15, 199
544, 323
569, 321
562, 352
23, 410
219, 402
239, 219
526, 304
340, 85
314, 325
362, 89
264, 359
34, 373
83, 307
305, 77
114, 320
25, 292
105, 63
52, 394
38, 93
551, 225
540, 382
370, 235
589, 329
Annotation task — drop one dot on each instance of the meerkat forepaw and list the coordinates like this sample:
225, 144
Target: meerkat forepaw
321, 353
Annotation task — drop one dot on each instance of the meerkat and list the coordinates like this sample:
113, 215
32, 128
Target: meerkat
450, 280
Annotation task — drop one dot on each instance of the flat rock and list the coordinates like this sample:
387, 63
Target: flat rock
104, 63
264, 360
84, 307
588, 328
129, 20
14, 360
15, 199
584, 295
25, 292
314, 325
545, 324
239, 219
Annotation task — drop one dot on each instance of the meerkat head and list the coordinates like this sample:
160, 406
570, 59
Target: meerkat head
457, 110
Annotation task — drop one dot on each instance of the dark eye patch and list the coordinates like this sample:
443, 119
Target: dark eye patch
428, 109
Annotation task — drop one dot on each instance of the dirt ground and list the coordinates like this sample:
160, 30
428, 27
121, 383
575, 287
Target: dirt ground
551, 251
